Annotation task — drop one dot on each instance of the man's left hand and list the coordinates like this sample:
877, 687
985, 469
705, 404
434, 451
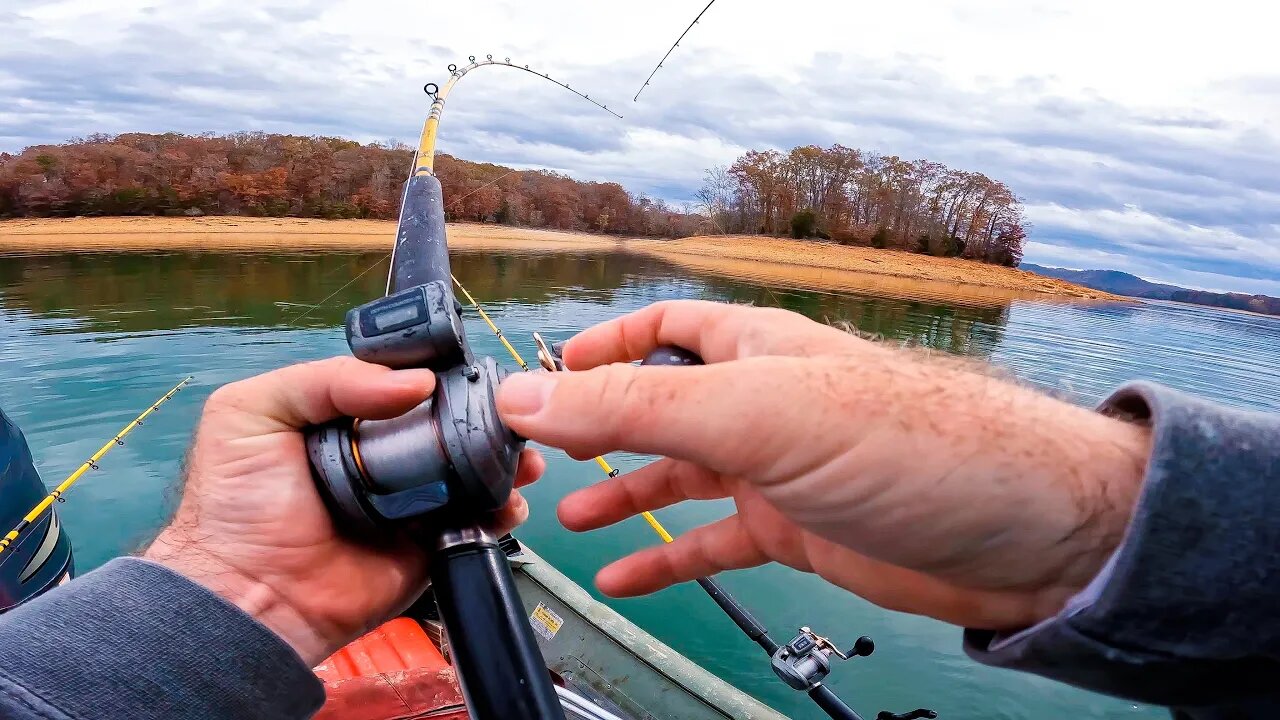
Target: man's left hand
252, 528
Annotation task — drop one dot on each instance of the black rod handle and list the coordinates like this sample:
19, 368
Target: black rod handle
741, 616
832, 705
500, 669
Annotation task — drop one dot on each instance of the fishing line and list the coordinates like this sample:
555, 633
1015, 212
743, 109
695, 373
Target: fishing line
334, 294
674, 45
488, 184
86, 466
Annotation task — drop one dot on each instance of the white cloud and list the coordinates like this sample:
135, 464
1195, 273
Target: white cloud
1141, 230
1135, 131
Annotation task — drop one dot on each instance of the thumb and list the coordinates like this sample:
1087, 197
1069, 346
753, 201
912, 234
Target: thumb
315, 392
727, 417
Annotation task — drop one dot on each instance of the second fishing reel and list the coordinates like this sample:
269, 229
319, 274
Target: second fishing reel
450, 461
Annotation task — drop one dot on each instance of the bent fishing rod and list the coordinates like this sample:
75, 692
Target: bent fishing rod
91, 464
670, 50
438, 474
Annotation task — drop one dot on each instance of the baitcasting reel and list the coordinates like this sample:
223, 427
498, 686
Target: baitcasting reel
447, 461
806, 660
437, 474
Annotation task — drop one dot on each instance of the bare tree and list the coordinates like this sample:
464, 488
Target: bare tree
716, 197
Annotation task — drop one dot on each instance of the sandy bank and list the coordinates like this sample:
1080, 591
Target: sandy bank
827, 266
787, 263
138, 234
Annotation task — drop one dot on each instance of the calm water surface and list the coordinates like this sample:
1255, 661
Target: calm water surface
87, 341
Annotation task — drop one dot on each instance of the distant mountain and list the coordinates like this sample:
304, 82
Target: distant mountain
1122, 283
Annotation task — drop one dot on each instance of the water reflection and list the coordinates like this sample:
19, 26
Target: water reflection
130, 293
957, 329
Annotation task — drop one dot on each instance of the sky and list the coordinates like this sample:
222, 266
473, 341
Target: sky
1143, 136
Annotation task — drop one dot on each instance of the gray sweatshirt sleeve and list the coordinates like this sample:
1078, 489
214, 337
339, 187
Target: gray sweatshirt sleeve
1187, 613
135, 640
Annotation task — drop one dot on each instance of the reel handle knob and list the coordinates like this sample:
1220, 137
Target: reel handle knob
912, 715
862, 647
672, 356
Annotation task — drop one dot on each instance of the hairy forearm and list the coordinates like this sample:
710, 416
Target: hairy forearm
1183, 614
993, 453
176, 549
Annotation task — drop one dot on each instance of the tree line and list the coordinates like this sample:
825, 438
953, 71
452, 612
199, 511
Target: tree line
838, 193
262, 174
854, 196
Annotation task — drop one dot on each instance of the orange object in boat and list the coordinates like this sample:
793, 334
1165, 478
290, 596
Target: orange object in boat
393, 673
400, 644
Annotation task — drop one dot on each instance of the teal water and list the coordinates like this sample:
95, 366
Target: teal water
87, 341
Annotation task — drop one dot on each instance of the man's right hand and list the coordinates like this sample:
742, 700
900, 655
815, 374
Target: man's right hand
914, 482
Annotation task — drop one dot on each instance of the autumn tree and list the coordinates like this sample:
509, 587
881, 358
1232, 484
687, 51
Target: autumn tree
860, 197
277, 175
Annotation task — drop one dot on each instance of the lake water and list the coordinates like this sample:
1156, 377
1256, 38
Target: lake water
87, 341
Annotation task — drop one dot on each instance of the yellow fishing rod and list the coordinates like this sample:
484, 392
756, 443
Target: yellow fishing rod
90, 464
604, 464
496, 330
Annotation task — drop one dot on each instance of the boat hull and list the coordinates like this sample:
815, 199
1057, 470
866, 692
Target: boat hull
598, 650
41, 556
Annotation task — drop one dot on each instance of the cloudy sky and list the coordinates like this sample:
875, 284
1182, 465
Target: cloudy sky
1144, 136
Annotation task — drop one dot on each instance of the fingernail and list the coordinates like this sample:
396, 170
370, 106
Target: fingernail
417, 378
525, 394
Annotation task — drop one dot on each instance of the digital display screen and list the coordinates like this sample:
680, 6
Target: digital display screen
385, 319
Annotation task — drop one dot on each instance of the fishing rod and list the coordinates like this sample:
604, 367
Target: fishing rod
437, 474
674, 45
427, 142
86, 466
805, 661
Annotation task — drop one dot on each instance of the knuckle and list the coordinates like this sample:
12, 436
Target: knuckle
663, 307
339, 365
630, 405
226, 397
755, 339
618, 389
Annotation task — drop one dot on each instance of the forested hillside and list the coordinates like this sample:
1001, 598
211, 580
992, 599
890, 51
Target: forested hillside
275, 175
841, 194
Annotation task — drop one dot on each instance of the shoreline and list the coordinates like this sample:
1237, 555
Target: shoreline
799, 264
810, 264
245, 234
